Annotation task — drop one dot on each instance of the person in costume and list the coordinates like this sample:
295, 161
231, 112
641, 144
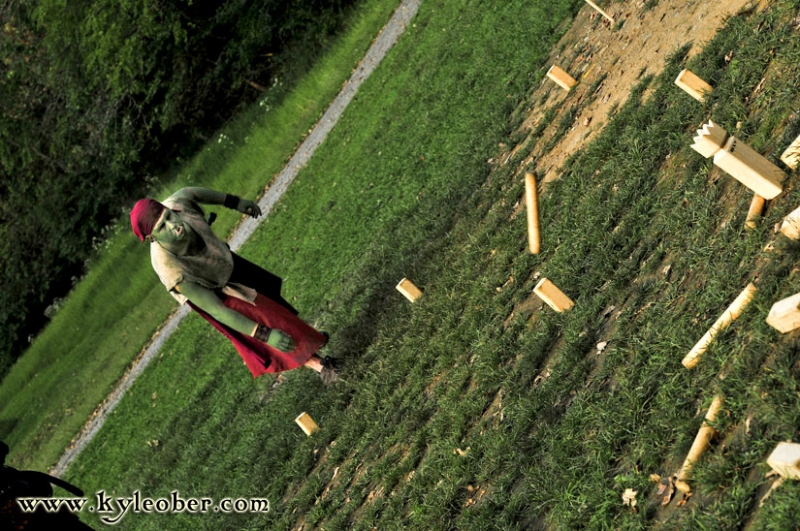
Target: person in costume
237, 297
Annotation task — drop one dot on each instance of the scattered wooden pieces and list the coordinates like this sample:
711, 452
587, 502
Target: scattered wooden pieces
532, 200
692, 84
784, 316
728, 316
791, 225
785, 460
791, 156
597, 8
561, 78
306, 423
750, 168
754, 212
699, 446
409, 290
552, 296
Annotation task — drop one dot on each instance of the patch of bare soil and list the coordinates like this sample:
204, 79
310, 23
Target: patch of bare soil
608, 62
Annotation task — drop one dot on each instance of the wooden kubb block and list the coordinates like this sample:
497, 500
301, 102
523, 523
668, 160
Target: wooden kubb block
791, 157
785, 460
409, 290
693, 85
791, 225
784, 316
552, 296
561, 78
306, 423
750, 168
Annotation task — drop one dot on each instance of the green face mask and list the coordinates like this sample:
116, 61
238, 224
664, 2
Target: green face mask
170, 230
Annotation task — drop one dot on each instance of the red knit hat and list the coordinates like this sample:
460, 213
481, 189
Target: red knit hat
144, 215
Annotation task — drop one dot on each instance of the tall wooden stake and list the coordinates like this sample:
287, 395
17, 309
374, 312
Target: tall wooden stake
756, 208
728, 316
532, 200
699, 446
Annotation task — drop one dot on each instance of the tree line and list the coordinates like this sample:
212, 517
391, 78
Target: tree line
98, 97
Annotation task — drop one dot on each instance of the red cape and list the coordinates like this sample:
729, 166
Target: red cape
259, 357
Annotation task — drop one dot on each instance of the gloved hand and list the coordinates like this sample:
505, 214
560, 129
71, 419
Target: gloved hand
275, 338
248, 207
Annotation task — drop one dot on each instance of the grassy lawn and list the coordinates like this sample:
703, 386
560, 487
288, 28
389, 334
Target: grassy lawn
476, 407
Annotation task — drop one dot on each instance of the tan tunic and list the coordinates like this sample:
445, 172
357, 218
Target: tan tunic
211, 268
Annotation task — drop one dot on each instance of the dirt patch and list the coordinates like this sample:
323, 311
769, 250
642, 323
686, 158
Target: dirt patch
608, 63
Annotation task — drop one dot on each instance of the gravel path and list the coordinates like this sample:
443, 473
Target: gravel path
385, 40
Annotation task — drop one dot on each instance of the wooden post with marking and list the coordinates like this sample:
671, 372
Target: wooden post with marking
561, 78
728, 316
597, 8
532, 200
306, 423
750, 168
693, 85
552, 296
699, 446
407, 288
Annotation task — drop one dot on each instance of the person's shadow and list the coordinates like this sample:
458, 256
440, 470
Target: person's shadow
31, 484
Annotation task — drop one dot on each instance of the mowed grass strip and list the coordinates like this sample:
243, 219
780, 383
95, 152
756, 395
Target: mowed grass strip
477, 408
110, 315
